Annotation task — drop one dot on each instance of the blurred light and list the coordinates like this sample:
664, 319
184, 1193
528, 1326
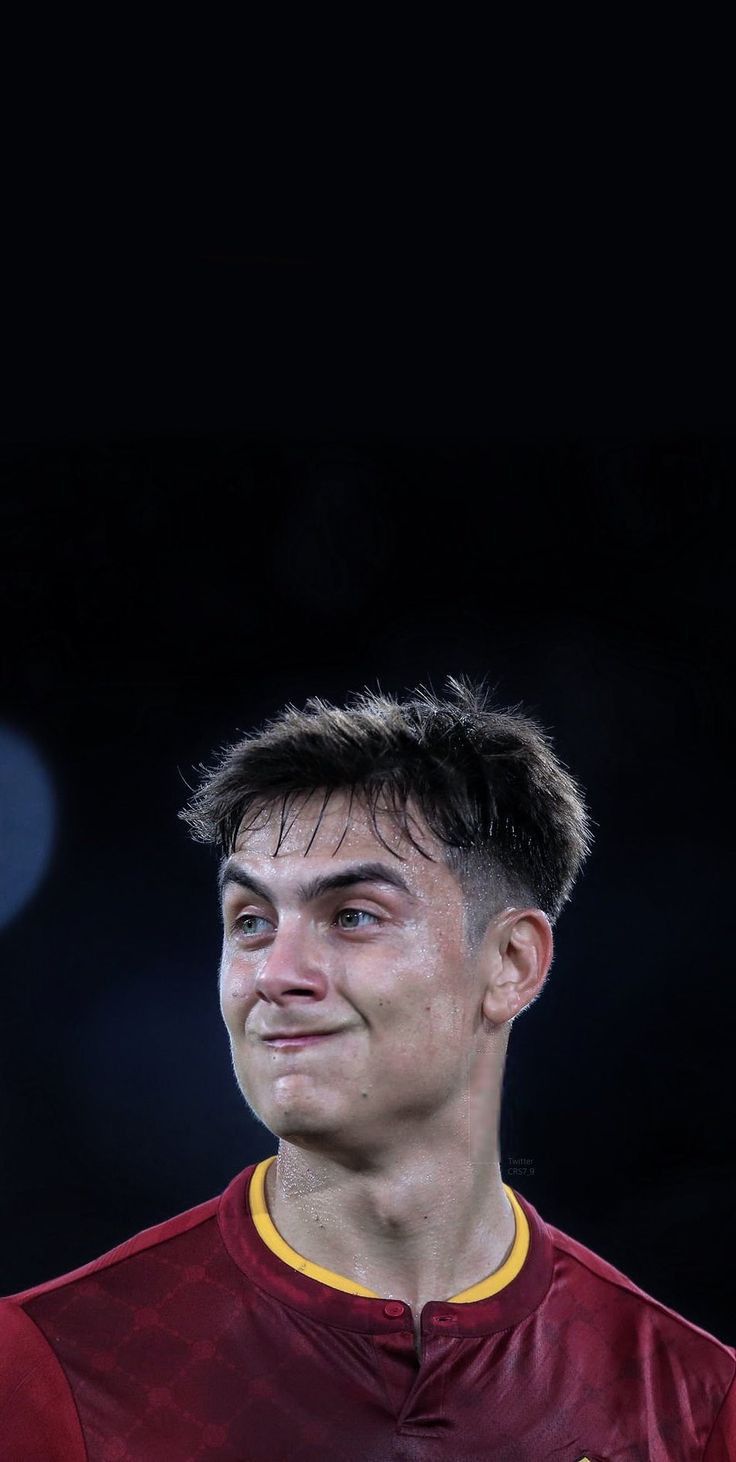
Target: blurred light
27, 822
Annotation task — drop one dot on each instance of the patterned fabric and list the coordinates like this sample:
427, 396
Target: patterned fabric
202, 1340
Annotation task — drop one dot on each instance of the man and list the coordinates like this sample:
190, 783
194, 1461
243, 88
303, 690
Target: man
391, 873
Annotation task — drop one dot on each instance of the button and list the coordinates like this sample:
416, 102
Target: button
394, 1307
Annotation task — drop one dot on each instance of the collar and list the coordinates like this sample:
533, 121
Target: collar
503, 1298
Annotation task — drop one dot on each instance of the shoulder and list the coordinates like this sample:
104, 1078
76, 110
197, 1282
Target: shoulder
615, 1328
150, 1238
38, 1414
611, 1300
43, 1327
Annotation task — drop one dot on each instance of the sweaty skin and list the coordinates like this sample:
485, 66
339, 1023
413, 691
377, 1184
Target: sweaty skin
388, 1160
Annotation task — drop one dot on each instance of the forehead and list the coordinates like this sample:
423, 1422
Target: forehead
335, 829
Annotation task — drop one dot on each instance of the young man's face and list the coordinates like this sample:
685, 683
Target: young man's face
384, 969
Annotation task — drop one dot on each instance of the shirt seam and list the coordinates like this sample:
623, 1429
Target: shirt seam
642, 1297
61, 1367
94, 1267
717, 1417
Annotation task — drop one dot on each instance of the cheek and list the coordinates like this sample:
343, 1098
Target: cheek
236, 990
426, 1001
439, 1008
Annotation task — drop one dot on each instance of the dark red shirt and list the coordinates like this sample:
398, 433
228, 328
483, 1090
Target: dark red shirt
207, 1337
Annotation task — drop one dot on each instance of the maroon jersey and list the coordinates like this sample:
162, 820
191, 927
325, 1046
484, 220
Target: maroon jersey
208, 1337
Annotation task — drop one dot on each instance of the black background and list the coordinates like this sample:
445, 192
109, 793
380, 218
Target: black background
232, 481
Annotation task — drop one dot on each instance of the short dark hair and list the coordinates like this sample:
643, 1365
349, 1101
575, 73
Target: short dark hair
485, 780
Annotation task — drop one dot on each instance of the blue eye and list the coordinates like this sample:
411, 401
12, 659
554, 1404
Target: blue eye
245, 920
356, 914
253, 926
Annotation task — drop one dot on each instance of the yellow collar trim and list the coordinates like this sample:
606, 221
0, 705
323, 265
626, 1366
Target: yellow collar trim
273, 1240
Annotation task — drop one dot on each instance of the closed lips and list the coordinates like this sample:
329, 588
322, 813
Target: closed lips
297, 1035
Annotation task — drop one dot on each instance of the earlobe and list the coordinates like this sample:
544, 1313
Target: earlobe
501, 1003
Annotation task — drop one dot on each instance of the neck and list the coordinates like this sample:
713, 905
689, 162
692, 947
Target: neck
415, 1225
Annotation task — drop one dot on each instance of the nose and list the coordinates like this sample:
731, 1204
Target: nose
291, 969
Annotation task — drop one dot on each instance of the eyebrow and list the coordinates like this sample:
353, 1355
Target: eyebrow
314, 888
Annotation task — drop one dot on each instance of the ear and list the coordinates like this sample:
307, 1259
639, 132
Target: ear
517, 954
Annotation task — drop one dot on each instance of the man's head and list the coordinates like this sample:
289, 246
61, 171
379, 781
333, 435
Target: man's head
391, 872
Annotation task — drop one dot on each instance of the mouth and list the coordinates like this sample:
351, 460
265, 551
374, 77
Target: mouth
289, 1041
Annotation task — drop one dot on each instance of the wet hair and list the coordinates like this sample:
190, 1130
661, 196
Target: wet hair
486, 782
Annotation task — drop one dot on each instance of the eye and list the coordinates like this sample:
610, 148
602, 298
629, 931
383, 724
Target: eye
356, 914
246, 924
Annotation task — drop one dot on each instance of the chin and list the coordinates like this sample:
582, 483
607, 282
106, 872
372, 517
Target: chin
293, 1127
316, 1131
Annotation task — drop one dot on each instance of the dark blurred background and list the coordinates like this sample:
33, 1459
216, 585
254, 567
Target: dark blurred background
232, 481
